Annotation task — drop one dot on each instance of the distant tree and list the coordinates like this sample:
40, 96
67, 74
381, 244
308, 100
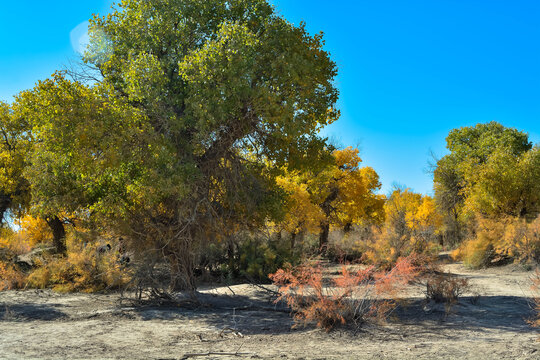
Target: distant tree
412, 218
301, 214
457, 173
345, 193
412, 226
507, 185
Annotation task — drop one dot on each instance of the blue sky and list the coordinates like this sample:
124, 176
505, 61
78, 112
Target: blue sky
409, 71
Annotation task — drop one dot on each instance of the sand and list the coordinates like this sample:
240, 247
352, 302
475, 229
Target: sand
489, 322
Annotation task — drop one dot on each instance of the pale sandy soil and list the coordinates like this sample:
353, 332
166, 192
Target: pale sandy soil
46, 325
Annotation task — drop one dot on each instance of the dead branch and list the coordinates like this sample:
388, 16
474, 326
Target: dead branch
212, 353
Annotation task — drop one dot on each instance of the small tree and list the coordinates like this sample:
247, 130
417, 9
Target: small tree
345, 193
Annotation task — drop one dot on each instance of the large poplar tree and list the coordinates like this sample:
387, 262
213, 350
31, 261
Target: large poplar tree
173, 140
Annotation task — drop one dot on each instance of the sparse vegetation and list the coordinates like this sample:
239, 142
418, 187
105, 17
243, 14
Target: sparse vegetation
445, 288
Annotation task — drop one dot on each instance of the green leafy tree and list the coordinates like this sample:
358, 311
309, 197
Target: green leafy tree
15, 142
457, 173
507, 185
171, 145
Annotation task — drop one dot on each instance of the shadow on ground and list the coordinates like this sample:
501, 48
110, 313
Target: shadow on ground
28, 311
246, 314
479, 313
257, 314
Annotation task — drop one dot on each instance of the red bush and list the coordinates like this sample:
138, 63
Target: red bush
352, 297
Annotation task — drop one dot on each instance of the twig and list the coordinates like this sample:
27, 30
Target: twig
233, 330
210, 353
273, 292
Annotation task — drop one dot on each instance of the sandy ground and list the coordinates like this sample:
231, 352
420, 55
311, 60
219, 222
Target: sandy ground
488, 323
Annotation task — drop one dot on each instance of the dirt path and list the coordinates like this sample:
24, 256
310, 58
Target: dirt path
489, 323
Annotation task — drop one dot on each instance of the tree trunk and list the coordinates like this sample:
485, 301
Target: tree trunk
347, 228
327, 209
323, 237
293, 239
182, 276
5, 203
59, 234
182, 266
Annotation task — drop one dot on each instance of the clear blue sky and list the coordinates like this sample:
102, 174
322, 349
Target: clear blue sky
409, 71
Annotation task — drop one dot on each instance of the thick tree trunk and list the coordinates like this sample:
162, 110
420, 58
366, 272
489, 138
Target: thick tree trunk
59, 234
182, 265
182, 276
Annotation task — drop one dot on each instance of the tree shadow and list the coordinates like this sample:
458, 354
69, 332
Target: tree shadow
476, 313
28, 311
248, 315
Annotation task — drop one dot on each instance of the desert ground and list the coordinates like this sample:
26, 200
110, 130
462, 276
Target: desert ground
242, 322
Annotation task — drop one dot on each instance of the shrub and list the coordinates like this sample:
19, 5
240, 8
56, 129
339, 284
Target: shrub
500, 241
412, 226
255, 258
344, 246
34, 230
445, 288
10, 277
521, 240
352, 297
84, 269
12, 244
477, 253
387, 247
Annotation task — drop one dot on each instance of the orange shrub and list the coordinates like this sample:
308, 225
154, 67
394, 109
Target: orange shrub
10, 277
352, 297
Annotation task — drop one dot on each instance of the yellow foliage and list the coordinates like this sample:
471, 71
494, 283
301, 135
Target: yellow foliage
10, 277
343, 186
501, 239
84, 269
412, 223
302, 214
424, 216
35, 230
14, 243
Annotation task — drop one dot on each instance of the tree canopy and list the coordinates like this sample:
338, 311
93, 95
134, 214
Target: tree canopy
196, 106
491, 170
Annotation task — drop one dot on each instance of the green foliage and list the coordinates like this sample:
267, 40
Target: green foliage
197, 102
256, 258
492, 171
507, 185
15, 143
